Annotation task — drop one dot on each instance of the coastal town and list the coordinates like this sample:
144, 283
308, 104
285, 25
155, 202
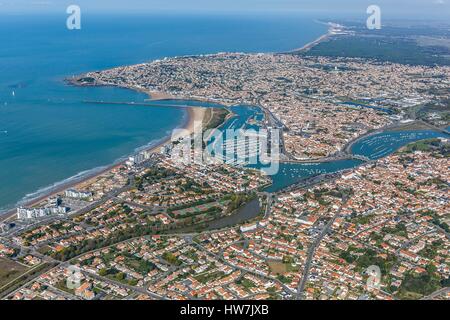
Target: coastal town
314, 243
322, 103
155, 228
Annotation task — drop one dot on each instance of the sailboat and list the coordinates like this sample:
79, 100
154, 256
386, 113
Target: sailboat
13, 93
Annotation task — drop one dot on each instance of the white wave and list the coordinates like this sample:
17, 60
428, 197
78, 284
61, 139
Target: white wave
49, 189
84, 174
78, 177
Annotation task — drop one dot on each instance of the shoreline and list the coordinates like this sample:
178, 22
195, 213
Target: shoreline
193, 115
331, 31
152, 96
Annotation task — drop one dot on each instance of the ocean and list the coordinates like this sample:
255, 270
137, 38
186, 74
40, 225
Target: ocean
48, 134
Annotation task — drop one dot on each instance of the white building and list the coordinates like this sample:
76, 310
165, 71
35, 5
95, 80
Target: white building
75, 194
138, 158
33, 213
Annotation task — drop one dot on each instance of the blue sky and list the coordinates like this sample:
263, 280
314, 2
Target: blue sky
392, 8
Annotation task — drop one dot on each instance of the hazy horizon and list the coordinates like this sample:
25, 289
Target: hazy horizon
415, 9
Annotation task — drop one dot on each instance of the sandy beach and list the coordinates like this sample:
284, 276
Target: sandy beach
195, 116
308, 46
313, 43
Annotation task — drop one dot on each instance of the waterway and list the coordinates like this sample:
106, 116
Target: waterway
374, 147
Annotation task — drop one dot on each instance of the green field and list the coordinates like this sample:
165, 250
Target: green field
196, 210
10, 270
382, 48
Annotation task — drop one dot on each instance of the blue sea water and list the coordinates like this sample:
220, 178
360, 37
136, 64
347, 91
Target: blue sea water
383, 144
47, 133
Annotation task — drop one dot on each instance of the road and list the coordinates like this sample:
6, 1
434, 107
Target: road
220, 257
123, 285
437, 293
314, 180
312, 251
48, 219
